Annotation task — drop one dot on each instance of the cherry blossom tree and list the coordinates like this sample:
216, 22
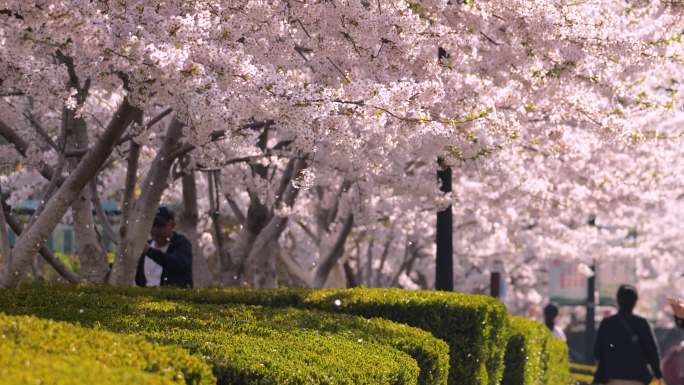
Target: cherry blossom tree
361, 96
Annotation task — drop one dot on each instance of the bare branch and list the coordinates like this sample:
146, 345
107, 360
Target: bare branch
12, 93
50, 258
101, 215
489, 39
308, 231
236, 209
335, 253
40, 130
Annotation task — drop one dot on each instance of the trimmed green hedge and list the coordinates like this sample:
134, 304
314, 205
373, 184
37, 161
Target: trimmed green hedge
232, 330
431, 353
474, 326
35, 351
534, 357
250, 344
558, 370
526, 353
582, 374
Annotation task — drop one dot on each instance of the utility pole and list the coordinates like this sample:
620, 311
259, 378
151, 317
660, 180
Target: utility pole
444, 274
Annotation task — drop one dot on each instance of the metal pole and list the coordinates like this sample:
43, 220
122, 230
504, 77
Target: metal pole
444, 274
495, 284
590, 332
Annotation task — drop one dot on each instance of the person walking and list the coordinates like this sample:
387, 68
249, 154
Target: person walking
673, 364
625, 347
167, 258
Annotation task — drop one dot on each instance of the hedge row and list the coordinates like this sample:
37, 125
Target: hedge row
526, 353
474, 326
534, 357
558, 370
35, 351
251, 344
232, 335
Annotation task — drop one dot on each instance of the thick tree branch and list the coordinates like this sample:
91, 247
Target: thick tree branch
236, 209
47, 255
125, 138
128, 199
383, 259
40, 130
140, 222
22, 147
308, 231
33, 238
101, 214
405, 266
369, 263
222, 134
290, 173
5, 251
335, 253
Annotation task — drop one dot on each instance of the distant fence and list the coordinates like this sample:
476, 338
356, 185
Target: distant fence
63, 239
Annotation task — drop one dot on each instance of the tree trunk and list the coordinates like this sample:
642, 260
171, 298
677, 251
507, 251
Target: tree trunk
128, 200
4, 245
142, 216
92, 255
331, 260
33, 238
187, 225
261, 269
233, 264
261, 263
101, 214
47, 255
222, 253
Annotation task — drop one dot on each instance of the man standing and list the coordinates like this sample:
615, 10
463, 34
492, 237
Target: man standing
625, 348
167, 258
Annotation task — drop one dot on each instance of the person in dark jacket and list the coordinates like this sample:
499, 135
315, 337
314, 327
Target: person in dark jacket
167, 257
625, 346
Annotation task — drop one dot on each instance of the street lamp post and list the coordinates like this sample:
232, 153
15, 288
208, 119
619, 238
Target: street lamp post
444, 274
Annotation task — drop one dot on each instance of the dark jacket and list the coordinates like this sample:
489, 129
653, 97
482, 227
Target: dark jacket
176, 263
622, 356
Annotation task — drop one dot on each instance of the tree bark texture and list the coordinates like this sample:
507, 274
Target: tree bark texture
142, 216
187, 225
34, 238
91, 253
47, 255
4, 245
261, 263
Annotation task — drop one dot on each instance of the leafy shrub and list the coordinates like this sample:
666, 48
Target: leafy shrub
558, 370
475, 327
526, 353
534, 357
35, 351
244, 344
582, 374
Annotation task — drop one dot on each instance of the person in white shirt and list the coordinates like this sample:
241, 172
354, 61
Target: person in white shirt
167, 258
550, 314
